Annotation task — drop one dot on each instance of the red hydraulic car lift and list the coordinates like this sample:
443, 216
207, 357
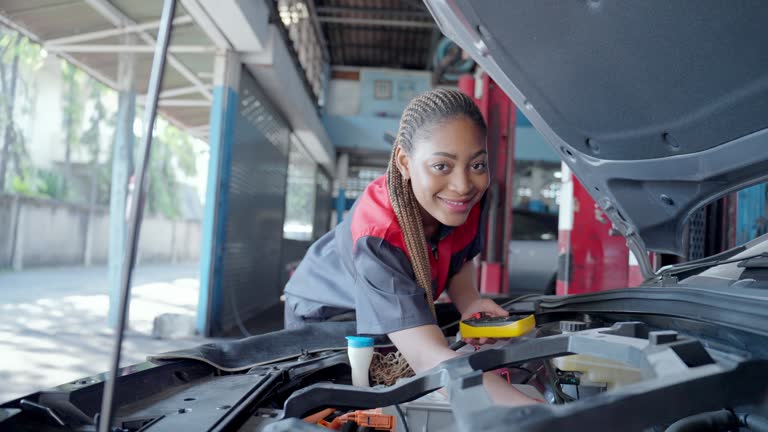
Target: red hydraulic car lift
499, 113
590, 257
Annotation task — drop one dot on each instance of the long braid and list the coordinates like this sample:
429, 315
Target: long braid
423, 112
408, 215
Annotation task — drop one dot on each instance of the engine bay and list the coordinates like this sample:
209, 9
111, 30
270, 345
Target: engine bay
588, 372
587, 366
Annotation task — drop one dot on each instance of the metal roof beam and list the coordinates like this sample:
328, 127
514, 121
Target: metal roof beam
184, 103
84, 37
313, 15
384, 46
102, 48
111, 13
110, 82
174, 92
205, 22
377, 22
386, 13
44, 8
117, 18
179, 91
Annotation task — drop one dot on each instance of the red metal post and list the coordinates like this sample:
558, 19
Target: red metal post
499, 113
590, 257
634, 275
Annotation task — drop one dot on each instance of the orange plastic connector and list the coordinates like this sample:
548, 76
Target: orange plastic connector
319, 416
368, 418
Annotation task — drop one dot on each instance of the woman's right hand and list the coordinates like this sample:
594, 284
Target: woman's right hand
485, 306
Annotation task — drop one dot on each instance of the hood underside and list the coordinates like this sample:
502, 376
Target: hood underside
657, 107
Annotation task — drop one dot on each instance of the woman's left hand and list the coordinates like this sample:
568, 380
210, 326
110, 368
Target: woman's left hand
482, 305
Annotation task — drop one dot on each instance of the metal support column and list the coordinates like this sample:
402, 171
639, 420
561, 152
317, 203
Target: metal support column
224, 110
500, 115
122, 169
751, 213
590, 256
342, 173
538, 181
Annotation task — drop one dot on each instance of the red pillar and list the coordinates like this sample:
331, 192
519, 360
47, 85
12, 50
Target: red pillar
590, 258
499, 113
635, 276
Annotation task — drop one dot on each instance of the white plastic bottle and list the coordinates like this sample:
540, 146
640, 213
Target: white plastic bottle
360, 352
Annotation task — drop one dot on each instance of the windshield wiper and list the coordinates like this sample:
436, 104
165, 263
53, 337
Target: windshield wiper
682, 268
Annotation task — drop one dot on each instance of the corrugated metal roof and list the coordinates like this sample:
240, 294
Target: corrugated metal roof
373, 33
54, 18
383, 33
46, 20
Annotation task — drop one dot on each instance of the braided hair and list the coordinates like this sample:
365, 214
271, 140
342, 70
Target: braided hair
422, 114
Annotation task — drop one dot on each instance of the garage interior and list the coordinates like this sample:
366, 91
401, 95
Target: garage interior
299, 103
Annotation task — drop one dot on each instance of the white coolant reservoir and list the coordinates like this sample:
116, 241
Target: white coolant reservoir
598, 370
595, 370
360, 352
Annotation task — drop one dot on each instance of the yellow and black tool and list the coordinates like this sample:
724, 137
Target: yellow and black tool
482, 325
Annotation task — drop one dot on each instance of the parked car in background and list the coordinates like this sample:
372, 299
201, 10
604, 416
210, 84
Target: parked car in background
532, 253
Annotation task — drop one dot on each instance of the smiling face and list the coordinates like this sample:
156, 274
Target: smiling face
448, 170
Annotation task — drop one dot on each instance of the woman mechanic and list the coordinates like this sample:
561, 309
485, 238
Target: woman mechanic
411, 235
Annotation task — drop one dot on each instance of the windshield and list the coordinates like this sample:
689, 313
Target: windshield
743, 266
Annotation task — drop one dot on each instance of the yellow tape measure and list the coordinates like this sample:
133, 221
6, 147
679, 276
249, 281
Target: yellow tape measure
484, 326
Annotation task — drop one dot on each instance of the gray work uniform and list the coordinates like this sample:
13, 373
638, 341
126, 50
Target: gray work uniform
362, 266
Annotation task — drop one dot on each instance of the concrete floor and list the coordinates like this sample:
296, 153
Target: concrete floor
53, 322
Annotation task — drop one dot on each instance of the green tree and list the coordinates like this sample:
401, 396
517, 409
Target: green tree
172, 152
19, 59
73, 105
91, 140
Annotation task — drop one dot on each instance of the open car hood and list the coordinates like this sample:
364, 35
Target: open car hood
657, 107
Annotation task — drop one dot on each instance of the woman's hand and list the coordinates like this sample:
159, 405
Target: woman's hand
482, 305
425, 347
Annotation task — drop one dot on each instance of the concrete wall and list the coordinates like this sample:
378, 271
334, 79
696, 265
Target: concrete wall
343, 97
163, 240
396, 89
357, 118
8, 209
38, 232
50, 233
361, 132
99, 237
156, 240
186, 241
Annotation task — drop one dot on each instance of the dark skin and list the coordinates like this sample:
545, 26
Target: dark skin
448, 173
431, 225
